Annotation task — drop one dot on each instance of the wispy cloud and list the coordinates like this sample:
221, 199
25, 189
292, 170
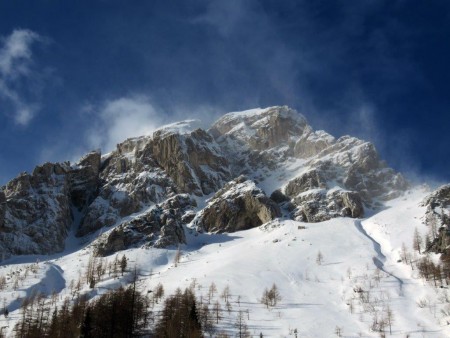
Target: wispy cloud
16, 59
122, 118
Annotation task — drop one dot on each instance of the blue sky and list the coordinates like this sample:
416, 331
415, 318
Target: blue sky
78, 75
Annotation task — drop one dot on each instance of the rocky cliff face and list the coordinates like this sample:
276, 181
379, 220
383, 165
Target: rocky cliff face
193, 160
160, 226
35, 211
239, 205
144, 192
437, 218
347, 171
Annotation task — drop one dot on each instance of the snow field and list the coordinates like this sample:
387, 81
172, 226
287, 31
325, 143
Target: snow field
345, 290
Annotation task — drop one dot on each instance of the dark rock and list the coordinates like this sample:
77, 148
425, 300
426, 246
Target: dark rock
307, 181
239, 205
161, 226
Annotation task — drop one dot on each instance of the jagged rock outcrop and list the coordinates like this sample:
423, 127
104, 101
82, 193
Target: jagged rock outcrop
311, 143
239, 205
131, 180
147, 170
441, 244
321, 205
193, 160
161, 226
311, 179
312, 201
351, 164
35, 211
437, 218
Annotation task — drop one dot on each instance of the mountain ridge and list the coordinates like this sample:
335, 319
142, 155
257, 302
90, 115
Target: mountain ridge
309, 174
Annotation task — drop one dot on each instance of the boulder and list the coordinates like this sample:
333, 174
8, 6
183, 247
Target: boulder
239, 205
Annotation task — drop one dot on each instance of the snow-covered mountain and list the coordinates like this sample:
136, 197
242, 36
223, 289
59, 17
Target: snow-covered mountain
259, 198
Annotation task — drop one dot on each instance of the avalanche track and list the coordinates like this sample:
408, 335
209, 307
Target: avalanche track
380, 258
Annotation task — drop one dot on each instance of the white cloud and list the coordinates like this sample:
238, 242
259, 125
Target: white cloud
108, 123
15, 66
120, 119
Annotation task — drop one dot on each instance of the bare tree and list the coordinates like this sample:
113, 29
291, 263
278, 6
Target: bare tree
389, 318
211, 291
271, 297
229, 308
158, 293
217, 310
241, 325
417, 241
225, 294
319, 258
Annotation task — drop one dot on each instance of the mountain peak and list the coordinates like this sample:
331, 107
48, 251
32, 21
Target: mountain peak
308, 174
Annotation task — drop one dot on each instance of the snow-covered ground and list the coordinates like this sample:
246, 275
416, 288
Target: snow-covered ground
356, 283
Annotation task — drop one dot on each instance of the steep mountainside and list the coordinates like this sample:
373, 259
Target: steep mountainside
308, 175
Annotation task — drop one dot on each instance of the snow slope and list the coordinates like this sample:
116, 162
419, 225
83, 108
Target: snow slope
344, 290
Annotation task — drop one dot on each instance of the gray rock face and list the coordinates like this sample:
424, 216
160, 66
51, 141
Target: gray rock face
311, 143
161, 226
310, 180
35, 211
438, 219
131, 180
239, 205
148, 170
263, 130
321, 205
194, 161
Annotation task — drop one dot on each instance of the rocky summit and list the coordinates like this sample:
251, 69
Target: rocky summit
251, 167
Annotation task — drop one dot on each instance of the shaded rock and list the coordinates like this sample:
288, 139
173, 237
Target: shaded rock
437, 216
278, 197
239, 205
161, 226
85, 180
35, 211
309, 180
2, 209
441, 244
